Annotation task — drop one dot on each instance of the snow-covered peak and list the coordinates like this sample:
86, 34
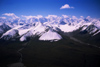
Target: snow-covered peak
11, 15
97, 24
51, 16
36, 30
50, 36
65, 16
38, 25
10, 34
54, 19
67, 28
71, 28
39, 28
3, 28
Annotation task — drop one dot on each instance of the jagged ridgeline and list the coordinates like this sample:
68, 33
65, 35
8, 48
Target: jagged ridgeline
50, 42
48, 28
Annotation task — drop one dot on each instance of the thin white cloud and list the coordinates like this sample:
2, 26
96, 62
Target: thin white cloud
3, 17
29, 17
81, 16
49, 16
74, 17
66, 6
11, 15
88, 17
39, 16
65, 16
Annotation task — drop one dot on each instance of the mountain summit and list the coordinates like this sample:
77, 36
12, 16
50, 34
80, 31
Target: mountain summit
47, 28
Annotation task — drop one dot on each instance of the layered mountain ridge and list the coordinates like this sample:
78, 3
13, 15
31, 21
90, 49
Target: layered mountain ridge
50, 41
41, 26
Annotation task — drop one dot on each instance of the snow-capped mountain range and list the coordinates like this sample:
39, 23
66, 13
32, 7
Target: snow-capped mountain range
46, 28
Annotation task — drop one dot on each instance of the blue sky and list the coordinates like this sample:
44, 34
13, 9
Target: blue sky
51, 7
